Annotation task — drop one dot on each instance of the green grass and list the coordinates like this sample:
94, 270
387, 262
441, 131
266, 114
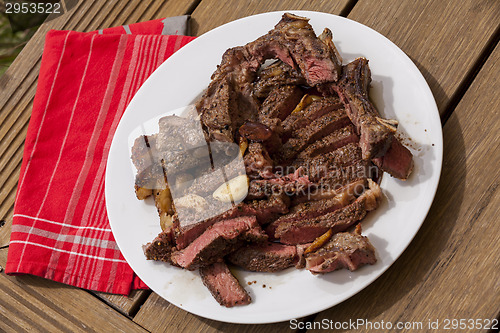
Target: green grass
11, 43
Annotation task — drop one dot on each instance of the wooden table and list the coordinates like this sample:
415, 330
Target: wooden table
451, 270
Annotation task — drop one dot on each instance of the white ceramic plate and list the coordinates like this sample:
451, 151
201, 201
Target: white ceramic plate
398, 90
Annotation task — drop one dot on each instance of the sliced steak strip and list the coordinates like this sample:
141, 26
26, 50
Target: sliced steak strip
344, 250
275, 75
315, 131
317, 192
280, 102
266, 257
219, 113
161, 247
307, 230
289, 185
264, 210
223, 286
375, 132
305, 212
397, 161
339, 177
300, 119
300, 231
319, 166
331, 142
315, 57
217, 241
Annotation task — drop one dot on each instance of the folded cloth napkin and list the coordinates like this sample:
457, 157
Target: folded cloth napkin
60, 229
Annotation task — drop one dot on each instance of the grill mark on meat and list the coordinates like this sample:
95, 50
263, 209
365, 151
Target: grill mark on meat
344, 250
223, 286
308, 211
217, 241
266, 257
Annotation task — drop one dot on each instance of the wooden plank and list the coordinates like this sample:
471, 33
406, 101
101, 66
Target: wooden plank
444, 38
450, 270
210, 14
18, 86
128, 305
34, 304
156, 314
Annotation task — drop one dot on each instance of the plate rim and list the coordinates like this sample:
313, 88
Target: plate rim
438, 150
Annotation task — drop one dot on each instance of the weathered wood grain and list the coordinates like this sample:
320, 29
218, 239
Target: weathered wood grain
18, 86
157, 315
451, 268
33, 304
444, 38
213, 13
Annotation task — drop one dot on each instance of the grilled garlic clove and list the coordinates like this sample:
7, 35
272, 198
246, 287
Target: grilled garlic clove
192, 201
234, 190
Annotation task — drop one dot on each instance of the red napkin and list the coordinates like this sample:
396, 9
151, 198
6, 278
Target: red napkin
60, 229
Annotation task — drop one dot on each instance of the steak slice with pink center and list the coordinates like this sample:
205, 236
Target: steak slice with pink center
223, 286
219, 240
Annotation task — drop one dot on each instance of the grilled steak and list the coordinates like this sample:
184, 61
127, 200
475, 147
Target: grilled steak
289, 185
300, 119
223, 286
375, 132
161, 247
266, 257
219, 115
331, 142
315, 131
274, 76
264, 210
280, 102
315, 57
300, 231
316, 192
344, 250
397, 161
218, 240
311, 144
179, 133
